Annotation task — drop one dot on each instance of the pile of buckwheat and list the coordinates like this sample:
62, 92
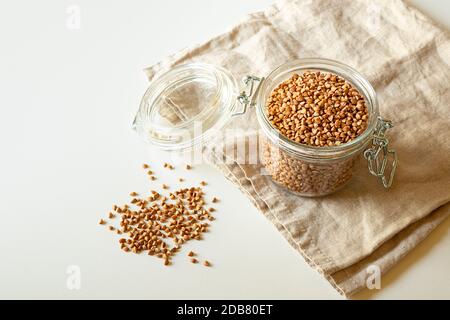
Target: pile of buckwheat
317, 109
160, 224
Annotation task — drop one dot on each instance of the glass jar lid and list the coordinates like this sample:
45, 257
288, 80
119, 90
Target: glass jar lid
186, 105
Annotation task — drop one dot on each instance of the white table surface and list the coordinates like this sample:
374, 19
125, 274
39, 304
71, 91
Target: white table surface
67, 154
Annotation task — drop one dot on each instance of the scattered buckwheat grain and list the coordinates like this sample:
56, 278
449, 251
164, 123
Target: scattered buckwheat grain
160, 224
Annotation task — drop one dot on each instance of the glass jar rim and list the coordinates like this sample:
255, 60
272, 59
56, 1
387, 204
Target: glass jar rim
326, 65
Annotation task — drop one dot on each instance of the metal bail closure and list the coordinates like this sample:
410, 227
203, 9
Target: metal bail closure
379, 155
247, 96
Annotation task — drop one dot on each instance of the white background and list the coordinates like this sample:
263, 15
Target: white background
67, 154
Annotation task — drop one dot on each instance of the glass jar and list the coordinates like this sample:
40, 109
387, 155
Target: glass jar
189, 95
310, 170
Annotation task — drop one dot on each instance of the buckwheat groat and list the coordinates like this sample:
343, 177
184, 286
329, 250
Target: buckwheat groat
317, 109
306, 178
314, 109
160, 224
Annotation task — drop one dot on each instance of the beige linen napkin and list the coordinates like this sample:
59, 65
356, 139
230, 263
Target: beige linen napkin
406, 57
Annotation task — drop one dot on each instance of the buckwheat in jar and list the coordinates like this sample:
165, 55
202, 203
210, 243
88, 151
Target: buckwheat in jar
319, 116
